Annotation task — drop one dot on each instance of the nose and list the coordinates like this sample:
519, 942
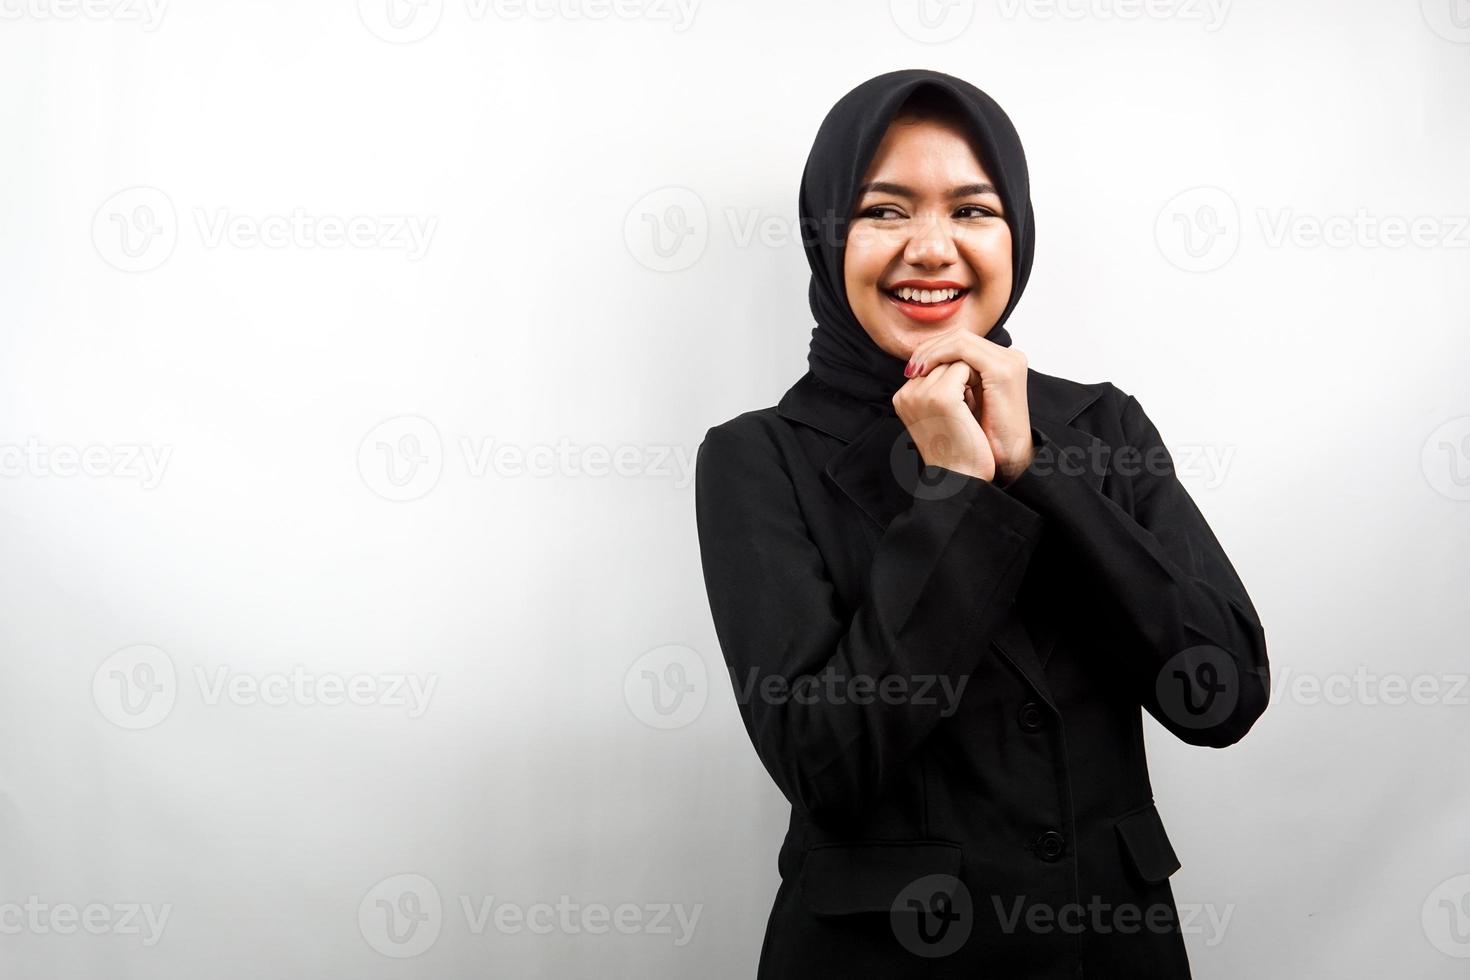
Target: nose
931, 245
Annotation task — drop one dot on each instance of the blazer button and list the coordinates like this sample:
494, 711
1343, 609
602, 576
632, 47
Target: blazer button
1031, 717
1050, 845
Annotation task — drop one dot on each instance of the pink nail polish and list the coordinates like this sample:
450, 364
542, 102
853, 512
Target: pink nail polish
908, 370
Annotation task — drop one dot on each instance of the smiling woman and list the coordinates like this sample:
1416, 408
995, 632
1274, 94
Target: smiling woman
928, 248
923, 512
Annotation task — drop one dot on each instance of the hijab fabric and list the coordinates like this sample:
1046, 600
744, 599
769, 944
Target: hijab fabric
842, 354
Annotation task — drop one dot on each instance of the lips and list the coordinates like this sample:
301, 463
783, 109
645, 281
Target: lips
927, 312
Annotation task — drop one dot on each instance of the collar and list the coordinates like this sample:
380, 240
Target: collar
868, 465
812, 402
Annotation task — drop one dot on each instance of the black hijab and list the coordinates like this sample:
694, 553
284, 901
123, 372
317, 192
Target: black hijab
842, 354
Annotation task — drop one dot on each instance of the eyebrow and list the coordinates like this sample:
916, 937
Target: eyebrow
884, 187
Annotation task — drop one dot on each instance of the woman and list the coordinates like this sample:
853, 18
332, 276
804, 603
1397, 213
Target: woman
944, 584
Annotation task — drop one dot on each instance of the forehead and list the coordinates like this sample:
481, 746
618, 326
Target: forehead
927, 149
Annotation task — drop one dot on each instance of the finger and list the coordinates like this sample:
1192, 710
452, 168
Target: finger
922, 352
932, 379
923, 347
986, 357
952, 379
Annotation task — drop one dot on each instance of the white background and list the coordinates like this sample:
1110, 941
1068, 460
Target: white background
325, 498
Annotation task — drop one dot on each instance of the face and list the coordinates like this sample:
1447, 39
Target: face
929, 218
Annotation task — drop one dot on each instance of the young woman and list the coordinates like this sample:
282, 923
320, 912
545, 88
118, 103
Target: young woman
944, 583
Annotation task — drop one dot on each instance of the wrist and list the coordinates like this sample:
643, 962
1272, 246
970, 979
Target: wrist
1007, 475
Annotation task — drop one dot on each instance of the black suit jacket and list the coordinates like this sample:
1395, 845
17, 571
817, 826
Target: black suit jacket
944, 677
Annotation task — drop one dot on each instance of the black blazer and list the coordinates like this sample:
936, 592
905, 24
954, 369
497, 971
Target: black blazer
944, 678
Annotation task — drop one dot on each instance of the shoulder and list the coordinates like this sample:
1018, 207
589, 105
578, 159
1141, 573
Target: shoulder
737, 442
1101, 408
757, 424
1063, 399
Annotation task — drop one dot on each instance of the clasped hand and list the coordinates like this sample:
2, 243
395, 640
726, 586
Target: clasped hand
964, 406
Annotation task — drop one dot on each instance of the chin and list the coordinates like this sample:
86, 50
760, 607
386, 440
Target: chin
909, 334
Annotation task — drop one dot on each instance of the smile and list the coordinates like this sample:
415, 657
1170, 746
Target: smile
926, 305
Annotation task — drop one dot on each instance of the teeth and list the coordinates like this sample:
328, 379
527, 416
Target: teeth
925, 295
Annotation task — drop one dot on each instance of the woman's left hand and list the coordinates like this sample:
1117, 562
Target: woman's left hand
999, 403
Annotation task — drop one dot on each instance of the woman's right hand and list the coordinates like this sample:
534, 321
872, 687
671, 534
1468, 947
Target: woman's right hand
936, 408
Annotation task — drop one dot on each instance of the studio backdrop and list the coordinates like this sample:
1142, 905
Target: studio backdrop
354, 357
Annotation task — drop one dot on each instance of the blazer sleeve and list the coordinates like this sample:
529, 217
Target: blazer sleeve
810, 676
1193, 642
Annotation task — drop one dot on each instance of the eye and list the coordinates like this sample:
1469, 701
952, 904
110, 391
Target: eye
874, 212
986, 212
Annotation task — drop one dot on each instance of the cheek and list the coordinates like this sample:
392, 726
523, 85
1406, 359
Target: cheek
863, 265
991, 257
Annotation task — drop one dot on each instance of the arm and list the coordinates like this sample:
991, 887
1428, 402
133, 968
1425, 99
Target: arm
1195, 647
931, 610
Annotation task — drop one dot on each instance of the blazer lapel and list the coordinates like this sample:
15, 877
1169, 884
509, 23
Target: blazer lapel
878, 467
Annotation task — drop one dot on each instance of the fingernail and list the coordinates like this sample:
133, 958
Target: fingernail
908, 370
